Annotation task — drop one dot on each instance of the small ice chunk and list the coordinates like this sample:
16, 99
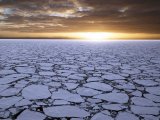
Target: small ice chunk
7, 72
65, 111
23, 102
98, 86
31, 115
92, 79
66, 95
9, 101
131, 71
47, 73
153, 90
114, 97
87, 91
3, 87
10, 92
36, 92
75, 77
61, 102
101, 116
12, 78
113, 77
146, 82
142, 101
71, 86
116, 107
126, 116
144, 110
27, 70
152, 97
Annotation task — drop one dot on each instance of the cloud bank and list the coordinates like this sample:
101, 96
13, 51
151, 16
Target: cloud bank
133, 16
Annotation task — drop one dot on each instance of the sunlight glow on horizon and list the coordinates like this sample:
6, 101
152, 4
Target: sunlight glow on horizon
102, 36
94, 36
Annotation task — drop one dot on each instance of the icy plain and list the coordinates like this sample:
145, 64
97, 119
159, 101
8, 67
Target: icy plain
79, 80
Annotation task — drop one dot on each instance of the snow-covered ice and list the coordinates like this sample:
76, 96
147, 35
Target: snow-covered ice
153, 90
116, 107
65, 111
87, 91
36, 92
9, 101
71, 86
98, 86
146, 82
66, 95
31, 115
12, 78
114, 97
101, 116
10, 92
145, 110
126, 116
112, 77
142, 101
77, 80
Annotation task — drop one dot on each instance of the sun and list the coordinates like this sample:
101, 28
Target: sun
94, 36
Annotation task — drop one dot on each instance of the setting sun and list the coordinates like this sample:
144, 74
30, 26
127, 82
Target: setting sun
94, 36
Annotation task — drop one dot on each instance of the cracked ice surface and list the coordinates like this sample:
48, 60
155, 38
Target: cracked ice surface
47, 80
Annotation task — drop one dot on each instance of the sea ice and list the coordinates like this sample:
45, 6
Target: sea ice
65, 111
31, 115
98, 86
114, 97
66, 95
33, 92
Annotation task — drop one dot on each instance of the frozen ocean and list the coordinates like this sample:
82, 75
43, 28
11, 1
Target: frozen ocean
79, 80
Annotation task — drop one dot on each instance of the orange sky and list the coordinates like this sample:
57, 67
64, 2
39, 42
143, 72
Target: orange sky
81, 35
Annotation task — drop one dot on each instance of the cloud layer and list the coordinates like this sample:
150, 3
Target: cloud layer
80, 15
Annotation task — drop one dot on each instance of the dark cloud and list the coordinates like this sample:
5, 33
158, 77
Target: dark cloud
138, 16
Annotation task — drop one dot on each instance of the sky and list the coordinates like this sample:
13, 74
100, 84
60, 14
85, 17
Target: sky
75, 18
